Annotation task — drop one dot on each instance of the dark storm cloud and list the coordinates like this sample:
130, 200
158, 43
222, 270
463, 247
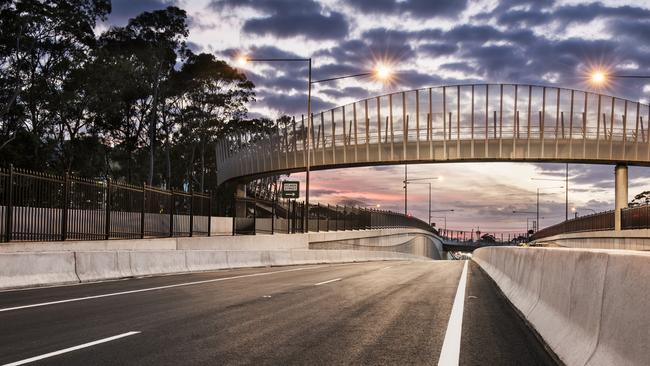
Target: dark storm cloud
123, 10
437, 49
636, 30
286, 18
294, 104
598, 176
581, 13
414, 8
356, 93
458, 66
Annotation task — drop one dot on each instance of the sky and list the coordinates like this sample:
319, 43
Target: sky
431, 43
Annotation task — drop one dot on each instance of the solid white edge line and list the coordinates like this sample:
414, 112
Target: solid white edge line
153, 289
70, 349
450, 354
328, 281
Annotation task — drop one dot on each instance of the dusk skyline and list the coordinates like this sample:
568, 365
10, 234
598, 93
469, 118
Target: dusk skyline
554, 43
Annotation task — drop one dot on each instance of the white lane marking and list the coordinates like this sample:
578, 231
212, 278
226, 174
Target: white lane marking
387, 267
66, 350
450, 354
329, 281
154, 289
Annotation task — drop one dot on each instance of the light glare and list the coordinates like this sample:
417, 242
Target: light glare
242, 60
383, 72
598, 77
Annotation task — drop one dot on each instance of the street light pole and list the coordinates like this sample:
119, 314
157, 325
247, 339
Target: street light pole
308, 148
414, 181
566, 191
405, 190
382, 73
538, 189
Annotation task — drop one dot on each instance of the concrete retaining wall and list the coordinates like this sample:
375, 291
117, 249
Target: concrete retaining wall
353, 239
638, 239
49, 268
413, 241
590, 306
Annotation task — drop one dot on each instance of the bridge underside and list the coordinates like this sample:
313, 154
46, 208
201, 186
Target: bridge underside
252, 165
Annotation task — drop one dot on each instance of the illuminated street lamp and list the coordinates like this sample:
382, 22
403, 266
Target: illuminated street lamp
575, 210
601, 78
381, 72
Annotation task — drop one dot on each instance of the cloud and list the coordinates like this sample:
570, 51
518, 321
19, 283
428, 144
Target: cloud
292, 104
413, 8
285, 19
438, 49
123, 10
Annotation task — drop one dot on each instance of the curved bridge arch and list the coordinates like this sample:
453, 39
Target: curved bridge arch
454, 123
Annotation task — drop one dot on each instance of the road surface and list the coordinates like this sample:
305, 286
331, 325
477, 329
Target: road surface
391, 313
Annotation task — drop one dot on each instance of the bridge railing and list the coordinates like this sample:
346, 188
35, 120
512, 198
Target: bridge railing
416, 124
269, 217
43, 207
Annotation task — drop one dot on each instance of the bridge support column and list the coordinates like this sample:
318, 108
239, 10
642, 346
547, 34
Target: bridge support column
240, 207
620, 173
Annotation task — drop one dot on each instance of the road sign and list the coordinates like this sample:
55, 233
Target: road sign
290, 189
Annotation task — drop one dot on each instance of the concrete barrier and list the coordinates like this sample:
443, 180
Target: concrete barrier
158, 262
206, 260
107, 265
248, 258
590, 306
37, 269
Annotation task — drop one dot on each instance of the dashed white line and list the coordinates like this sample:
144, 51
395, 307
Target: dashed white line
450, 354
70, 349
387, 267
153, 289
329, 281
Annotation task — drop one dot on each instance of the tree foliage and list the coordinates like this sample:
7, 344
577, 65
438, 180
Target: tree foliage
132, 103
640, 199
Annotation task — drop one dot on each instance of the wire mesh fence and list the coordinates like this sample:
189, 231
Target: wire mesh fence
44, 207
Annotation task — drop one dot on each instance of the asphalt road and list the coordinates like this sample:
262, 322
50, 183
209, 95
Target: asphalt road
373, 313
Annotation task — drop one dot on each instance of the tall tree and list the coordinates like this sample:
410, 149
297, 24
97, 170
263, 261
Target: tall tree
215, 95
42, 42
149, 47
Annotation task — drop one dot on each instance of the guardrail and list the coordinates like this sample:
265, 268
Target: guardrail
44, 207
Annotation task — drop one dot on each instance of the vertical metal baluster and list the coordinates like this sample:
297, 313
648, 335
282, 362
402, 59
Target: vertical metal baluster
10, 205
64, 215
192, 211
144, 193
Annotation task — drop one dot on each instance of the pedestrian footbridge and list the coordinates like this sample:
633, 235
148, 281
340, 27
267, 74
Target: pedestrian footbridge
455, 123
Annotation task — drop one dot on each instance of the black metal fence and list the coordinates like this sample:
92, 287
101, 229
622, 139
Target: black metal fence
269, 217
635, 217
44, 207
594, 222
